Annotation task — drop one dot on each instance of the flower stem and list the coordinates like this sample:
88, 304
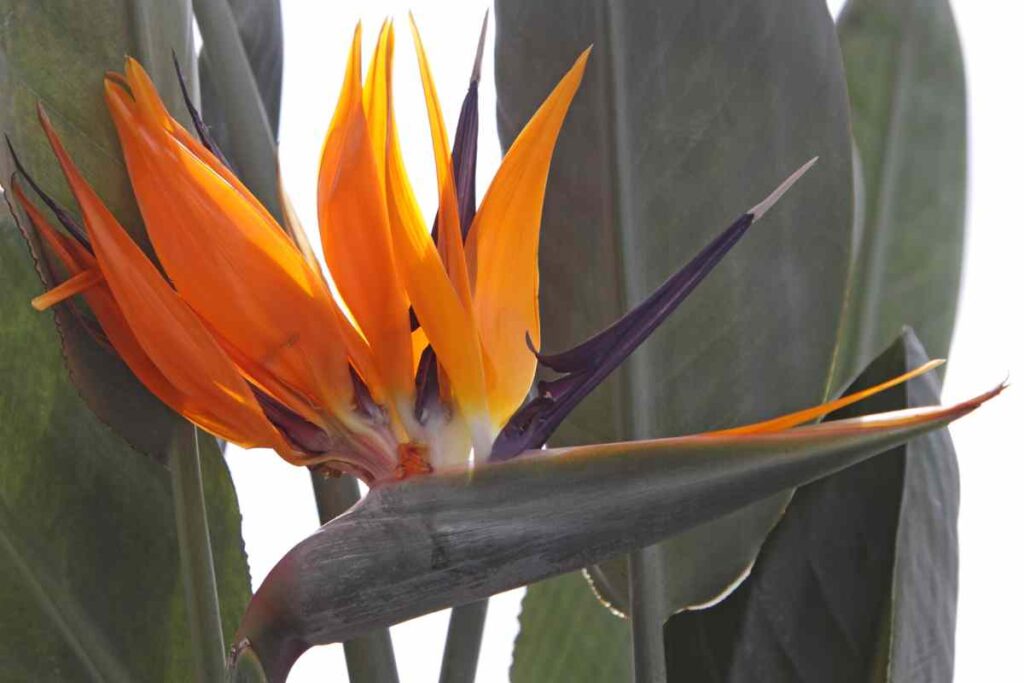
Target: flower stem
369, 658
462, 647
645, 582
197, 568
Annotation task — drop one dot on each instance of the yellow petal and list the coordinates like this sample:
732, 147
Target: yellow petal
449, 232
782, 422
446, 322
504, 240
356, 233
209, 389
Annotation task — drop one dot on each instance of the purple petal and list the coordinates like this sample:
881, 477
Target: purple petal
428, 386
202, 130
304, 434
65, 217
585, 366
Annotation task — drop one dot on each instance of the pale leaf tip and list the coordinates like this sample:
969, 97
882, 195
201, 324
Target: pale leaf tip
478, 62
768, 202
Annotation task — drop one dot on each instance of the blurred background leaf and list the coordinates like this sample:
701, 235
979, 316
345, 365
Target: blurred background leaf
91, 574
858, 581
688, 112
566, 635
259, 26
909, 108
242, 58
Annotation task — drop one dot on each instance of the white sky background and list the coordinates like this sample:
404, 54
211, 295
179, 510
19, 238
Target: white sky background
276, 500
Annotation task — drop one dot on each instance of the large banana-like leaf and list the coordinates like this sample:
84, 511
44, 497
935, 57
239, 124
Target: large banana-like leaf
908, 101
433, 541
688, 111
91, 587
89, 575
858, 581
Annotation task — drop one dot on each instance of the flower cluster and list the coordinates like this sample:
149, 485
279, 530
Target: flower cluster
429, 359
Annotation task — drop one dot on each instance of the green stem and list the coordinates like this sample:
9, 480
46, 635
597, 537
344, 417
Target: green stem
645, 581
197, 568
369, 658
462, 647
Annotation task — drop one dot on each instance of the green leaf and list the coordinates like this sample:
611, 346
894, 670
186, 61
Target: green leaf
89, 581
252, 146
858, 580
690, 110
459, 535
566, 635
259, 26
908, 100
55, 53
89, 578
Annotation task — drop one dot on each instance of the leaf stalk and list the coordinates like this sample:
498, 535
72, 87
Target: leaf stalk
462, 646
369, 658
197, 568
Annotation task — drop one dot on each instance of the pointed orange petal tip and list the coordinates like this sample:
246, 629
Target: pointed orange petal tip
910, 416
76, 284
806, 415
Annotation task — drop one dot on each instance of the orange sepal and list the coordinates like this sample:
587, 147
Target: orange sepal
503, 241
77, 259
234, 267
354, 227
375, 94
449, 231
447, 323
204, 385
778, 424
76, 284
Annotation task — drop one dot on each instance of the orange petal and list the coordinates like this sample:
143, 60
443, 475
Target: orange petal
143, 87
504, 239
783, 422
150, 324
73, 255
77, 259
144, 92
234, 267
354, 227
449, 232
446, 322
76, 284
375, 95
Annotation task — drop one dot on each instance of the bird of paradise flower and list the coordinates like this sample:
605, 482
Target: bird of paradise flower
428, 362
